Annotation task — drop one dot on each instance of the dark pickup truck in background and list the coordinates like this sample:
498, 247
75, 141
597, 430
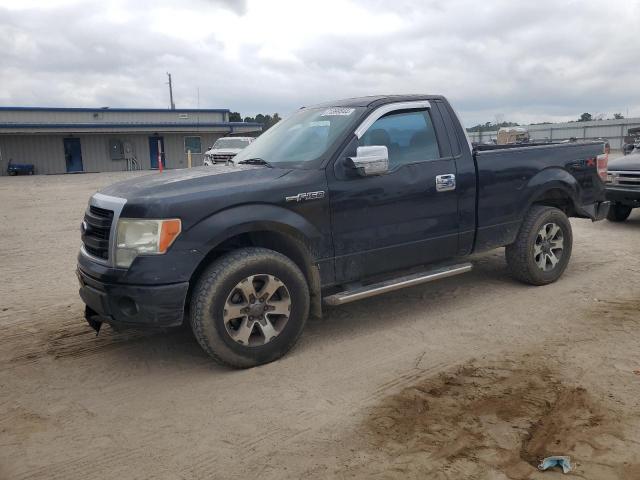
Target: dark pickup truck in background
623, 186
337, 202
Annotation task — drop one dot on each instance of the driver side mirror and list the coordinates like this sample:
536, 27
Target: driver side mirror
371, 160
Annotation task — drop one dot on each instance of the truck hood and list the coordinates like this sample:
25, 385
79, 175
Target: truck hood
629, 162
190, 182
223, 151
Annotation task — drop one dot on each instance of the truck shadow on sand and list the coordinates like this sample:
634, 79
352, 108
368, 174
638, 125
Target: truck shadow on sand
64, 336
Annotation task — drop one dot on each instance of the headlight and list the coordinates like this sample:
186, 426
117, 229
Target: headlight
144, 237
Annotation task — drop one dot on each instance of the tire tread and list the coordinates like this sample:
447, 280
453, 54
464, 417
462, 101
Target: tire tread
213, 274
517, 253
618, 212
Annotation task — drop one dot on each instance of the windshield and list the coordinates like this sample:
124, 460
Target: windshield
302, 137
231, 143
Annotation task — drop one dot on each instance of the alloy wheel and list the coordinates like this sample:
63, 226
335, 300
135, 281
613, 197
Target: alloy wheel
257, 310
548, 246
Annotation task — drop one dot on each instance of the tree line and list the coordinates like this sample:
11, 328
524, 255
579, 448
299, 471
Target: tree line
481, 127
267, 121
587, 117
490, 126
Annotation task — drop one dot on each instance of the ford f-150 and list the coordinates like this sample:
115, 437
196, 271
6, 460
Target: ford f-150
335, 203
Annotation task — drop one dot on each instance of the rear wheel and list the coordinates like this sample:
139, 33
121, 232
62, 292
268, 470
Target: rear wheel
618, 212
542, 249
249, 307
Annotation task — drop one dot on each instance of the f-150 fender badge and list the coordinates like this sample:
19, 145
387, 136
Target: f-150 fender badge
305, 196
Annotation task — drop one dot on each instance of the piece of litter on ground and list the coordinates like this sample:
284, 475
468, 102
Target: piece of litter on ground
556, 461
637, 371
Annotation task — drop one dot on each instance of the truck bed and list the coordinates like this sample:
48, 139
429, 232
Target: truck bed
510, 178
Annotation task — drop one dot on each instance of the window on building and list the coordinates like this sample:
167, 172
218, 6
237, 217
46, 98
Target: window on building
409, 137
193, 144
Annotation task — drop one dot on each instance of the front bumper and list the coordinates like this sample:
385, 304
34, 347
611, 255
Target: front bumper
626, 196
123, 305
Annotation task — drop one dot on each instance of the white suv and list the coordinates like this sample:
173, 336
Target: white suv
225, 149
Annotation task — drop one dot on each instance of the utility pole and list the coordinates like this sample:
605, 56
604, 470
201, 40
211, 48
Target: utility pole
173, 105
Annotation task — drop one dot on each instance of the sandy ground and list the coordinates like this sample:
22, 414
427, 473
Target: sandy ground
471, 377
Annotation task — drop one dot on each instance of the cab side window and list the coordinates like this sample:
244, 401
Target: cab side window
408, 135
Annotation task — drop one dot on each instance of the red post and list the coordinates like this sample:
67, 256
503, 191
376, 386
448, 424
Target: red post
160, 167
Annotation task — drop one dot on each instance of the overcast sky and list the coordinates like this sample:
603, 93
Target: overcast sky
544, 60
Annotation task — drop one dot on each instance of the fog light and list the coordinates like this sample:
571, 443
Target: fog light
128, 306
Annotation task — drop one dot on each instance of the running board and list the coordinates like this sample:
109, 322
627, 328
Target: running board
396, 284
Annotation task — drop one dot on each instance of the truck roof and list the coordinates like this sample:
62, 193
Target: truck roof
374, 100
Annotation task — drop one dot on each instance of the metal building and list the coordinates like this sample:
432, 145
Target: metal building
61, 140
612, 130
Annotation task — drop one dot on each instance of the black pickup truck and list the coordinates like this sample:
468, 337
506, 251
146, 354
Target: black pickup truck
338, 202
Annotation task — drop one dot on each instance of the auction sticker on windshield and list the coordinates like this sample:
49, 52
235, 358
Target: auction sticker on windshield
337, 111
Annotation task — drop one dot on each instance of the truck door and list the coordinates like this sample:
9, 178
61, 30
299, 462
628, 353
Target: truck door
403, 218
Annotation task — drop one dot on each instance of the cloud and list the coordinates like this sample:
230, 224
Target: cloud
539, 61
237, 6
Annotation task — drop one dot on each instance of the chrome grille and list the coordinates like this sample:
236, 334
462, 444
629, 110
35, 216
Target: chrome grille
96, 231
222, 158
627, 178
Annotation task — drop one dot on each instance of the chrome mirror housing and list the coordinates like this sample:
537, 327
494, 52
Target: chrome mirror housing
371, 160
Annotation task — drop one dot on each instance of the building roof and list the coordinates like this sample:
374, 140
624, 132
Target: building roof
76, 128
116, 109
48, 120
129, 125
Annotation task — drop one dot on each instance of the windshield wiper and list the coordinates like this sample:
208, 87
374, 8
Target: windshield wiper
256, 161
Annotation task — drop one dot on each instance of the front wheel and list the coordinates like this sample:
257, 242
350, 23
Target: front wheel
542, 249
618, 212
249, 307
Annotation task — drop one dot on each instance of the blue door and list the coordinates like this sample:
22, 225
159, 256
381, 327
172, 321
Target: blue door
73, 154
154, 143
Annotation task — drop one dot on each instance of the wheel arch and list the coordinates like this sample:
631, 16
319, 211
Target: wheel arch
554, 187
266, 226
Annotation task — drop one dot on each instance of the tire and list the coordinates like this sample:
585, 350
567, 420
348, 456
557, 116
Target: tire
226, 288
540, 253
618, 212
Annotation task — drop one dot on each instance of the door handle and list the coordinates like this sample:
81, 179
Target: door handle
445, 183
